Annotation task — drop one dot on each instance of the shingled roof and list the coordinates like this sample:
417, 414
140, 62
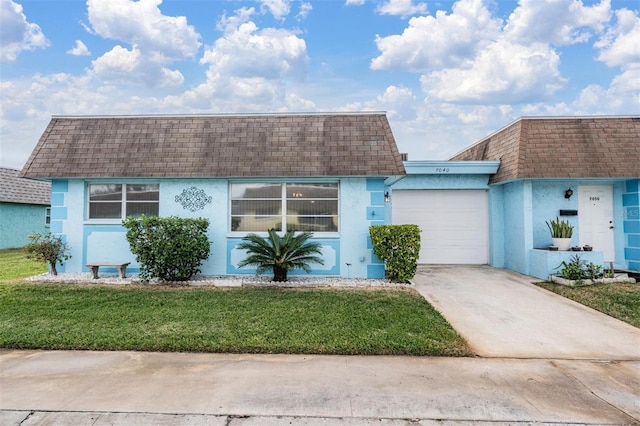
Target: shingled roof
589, 147
255, 145
14, 189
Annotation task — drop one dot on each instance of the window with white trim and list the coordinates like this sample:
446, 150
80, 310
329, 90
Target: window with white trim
118, 201
258, 207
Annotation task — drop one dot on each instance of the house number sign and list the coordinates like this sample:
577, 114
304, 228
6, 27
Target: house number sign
193, 199
442, 170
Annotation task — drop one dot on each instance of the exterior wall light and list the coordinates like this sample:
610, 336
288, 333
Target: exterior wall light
387, 197
568, 193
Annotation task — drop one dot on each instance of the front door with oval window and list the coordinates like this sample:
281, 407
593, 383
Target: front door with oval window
595, 219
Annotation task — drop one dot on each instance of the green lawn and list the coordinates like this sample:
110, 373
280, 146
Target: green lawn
240, 320
621, 301
14, 264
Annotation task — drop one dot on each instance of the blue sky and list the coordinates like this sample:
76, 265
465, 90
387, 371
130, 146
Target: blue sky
446, 72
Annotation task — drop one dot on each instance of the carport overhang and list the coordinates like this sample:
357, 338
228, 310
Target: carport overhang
486, 167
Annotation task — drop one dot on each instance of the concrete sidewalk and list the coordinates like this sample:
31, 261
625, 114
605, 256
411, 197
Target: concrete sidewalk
98, 388
502, 314
548, 361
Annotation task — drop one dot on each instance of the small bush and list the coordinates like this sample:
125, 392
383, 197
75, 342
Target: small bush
168, 248
47, 248
281, 254
577, 269
399, 247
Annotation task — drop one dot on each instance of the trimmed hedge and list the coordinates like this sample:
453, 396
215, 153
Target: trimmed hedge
399, 247
168, 248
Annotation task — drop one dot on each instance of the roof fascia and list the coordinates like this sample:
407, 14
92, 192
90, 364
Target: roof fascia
487, 167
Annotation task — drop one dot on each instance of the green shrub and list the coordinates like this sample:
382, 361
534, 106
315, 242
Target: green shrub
47, 248
577, 269
280, 254
399, 247
168, 248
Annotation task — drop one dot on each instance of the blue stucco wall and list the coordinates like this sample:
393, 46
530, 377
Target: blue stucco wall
548, 200
18, 221
361, 205
519, 211
631, 226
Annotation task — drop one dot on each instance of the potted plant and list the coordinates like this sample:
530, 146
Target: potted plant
561, 233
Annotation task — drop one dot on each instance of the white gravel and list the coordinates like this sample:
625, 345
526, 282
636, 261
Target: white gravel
218, 281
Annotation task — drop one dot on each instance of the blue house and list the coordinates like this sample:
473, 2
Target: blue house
490, 203
323, 173
24, 208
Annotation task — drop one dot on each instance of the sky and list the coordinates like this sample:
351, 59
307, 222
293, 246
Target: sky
447, 73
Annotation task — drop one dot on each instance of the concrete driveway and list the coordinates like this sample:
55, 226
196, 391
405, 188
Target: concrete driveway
502, 314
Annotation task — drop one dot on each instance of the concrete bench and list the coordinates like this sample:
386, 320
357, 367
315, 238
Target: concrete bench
122, 267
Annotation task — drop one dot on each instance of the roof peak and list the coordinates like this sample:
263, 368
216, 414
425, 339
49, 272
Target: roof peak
239, 114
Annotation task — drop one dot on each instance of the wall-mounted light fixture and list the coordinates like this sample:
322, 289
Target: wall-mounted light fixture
568, 193
387, 197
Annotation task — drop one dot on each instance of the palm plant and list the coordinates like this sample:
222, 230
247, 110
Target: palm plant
280, 254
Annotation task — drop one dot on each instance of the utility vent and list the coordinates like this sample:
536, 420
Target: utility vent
404, 156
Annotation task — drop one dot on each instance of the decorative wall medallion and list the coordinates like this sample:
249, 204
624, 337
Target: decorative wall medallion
193, 199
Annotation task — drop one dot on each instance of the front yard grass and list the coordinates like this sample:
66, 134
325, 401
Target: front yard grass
192, 319
14, 264
619, 300
247, 320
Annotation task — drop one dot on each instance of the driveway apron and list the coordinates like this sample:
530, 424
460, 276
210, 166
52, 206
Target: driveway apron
502, 314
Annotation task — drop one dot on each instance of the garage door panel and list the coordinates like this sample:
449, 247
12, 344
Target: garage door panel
454, 223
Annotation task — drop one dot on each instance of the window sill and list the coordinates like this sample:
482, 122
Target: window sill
316, 235
102, 222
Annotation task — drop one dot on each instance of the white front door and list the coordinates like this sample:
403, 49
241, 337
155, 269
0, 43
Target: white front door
595, 219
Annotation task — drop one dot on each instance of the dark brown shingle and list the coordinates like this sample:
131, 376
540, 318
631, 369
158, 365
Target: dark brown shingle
590, 147
14, 189
350, 144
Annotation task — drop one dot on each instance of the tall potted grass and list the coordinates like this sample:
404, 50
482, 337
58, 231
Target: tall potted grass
561, 233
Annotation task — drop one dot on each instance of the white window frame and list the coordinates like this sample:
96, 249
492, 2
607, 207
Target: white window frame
283, 210
123, 200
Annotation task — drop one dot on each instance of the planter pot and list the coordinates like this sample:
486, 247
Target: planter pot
563, 244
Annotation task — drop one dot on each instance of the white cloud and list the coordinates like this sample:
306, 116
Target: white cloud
620, 46
130, 67
502, 73
440, 41
558, 22
305, 10
156, 40
399, 102
354, 2
248, 69
401, 8
80, 49
16, 33
141, 23
278, 8
250, 52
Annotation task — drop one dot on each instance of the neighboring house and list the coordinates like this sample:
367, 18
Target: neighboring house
490, 203
24, 208
323, 173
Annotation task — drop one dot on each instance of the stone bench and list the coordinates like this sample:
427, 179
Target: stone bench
122, 267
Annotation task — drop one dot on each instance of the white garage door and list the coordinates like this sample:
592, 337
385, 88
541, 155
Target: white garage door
454, 224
